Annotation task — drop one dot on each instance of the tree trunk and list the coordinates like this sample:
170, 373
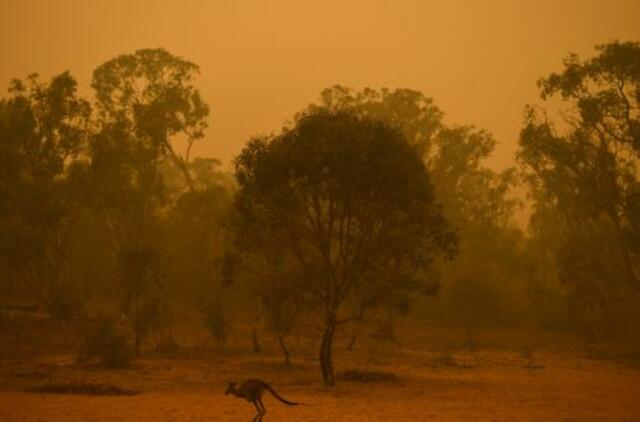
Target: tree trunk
255, 338
354, 335
256, 341
326, 349
624, 250
352, 342
285, 351
137, 328
137, 344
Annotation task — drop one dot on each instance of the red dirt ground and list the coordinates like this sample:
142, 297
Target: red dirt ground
492, 386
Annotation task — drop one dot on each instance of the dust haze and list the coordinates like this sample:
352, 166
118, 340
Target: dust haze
342, 211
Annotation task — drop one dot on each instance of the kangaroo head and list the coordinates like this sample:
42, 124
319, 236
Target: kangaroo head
230, 388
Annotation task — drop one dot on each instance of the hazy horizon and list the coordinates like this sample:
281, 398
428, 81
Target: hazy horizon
263, 61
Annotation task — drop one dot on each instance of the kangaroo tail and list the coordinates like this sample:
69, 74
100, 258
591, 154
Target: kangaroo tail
279, 397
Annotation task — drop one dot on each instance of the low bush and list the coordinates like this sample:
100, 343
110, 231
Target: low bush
217, 323
87, 389
357, 375
106, 344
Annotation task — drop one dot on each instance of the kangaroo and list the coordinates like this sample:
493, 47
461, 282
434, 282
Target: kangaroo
252, 390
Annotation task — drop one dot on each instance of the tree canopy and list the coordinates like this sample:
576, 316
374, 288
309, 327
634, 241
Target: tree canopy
345, 198
583, 172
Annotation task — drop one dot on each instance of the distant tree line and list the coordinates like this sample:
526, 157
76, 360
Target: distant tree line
366, 207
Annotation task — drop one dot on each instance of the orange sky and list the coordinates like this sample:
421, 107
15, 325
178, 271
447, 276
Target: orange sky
263, 60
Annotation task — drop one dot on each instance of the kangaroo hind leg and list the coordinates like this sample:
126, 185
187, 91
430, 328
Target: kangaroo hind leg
263, 410
259, 414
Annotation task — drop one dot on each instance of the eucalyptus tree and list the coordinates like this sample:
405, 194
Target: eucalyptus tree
584, 171
477, 200
341, 198
589, 169
149, 113
44, 128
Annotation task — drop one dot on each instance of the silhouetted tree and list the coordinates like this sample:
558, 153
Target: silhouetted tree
343, 197
146, 104
44, 128
415, 114
475, 199
194, 235
585, 177
282, 304
150, 98
217, 321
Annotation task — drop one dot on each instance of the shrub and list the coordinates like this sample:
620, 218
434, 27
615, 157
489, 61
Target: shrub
106, 344
88, 389
63, 304
357, 375
217, 323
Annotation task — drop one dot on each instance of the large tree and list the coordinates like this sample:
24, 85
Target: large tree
44, 127
415, 114
347, 200
147, 106
584, 170
150, 97
477, 200
454, 154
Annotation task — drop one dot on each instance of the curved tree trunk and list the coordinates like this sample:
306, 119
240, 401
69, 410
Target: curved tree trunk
326, 349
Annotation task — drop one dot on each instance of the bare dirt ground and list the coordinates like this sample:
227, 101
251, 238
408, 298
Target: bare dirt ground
490, 385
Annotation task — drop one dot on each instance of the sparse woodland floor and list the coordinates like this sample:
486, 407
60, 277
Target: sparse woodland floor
491, 384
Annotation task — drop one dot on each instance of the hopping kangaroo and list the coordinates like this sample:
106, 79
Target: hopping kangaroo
252, 390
